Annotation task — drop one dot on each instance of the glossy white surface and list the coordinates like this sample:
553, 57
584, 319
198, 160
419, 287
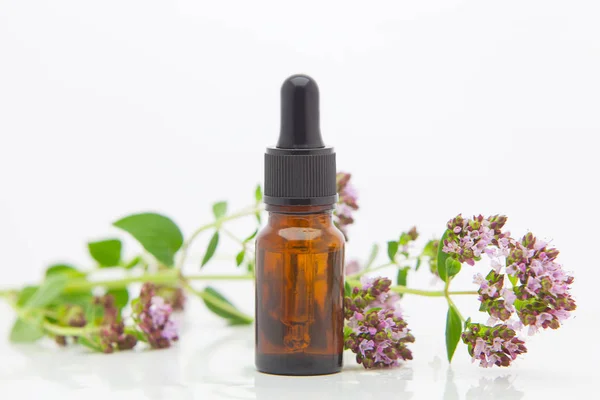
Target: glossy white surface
212, 361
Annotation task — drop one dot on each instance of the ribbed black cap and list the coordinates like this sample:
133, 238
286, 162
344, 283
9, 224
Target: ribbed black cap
300, 170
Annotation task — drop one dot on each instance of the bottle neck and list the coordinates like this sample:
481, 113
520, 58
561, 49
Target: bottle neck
300, 215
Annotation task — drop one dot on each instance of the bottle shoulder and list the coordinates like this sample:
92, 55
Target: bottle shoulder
320, 238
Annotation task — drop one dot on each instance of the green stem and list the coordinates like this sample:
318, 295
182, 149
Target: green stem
232, 236
219, 277
366, 271
216, 224
218, 302
59, 330
447, 294
170, 276
237, 239
428, 293
49, 327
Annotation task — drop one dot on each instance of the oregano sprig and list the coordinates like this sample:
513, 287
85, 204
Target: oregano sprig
526, 289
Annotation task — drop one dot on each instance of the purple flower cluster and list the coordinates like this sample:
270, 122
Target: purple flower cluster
497, 345
468, 239
112, 330
153, 317
541, 286
173, 296
376, 331
525, 288
113, 337
352, 267
496, 300
347, 202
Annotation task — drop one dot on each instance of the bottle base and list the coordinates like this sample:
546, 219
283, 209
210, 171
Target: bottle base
299, 364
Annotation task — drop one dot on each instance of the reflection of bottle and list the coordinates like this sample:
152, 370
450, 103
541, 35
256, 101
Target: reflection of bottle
300, 253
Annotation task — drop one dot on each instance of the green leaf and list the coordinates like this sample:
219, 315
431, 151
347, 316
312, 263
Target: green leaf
156, 233
402, 275
136, 305
452, 267
430, 249
210, 250
401, 278
467, 322
372, 256
404, 239
94, 313
82, 299
258, 194
48, 292
347, 289
133, 263
442, 257
219, 209
25, 294
347, 332
121, 297
392, 249
27, 332
519, 304
514, 279
239, 259
250, 265
106, 252
64, 269
139, 335
218, 304
453, 331
249, 238
418, 264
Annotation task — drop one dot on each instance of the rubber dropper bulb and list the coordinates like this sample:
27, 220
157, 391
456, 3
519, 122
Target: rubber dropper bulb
300, 128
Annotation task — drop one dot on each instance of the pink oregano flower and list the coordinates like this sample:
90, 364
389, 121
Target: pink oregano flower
497, 345
347, 202
526, 287
376, 331
153, 317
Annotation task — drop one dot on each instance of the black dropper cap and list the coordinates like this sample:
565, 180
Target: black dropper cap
300, 170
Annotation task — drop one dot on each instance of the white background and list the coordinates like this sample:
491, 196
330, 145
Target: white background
436, 107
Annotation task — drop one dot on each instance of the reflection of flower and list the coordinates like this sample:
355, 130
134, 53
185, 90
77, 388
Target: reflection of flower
499, 388
376, 332
153, 317
347, 202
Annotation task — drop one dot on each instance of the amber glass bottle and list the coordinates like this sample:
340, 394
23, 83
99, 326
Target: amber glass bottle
300, 253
